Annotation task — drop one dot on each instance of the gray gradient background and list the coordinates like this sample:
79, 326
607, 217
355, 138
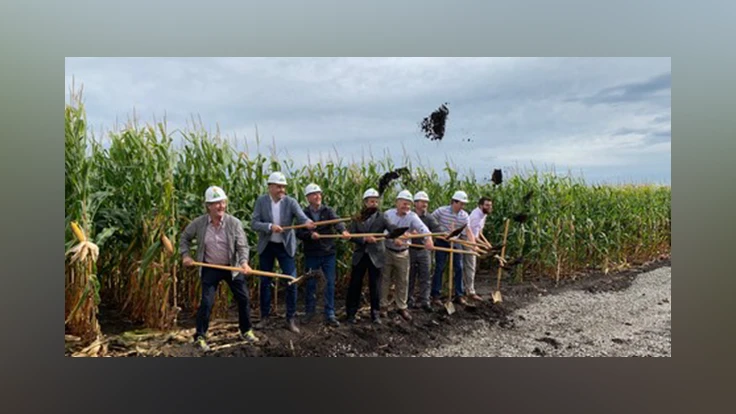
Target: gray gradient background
35, 375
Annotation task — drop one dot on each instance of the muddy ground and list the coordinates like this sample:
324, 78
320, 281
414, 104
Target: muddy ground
536, 318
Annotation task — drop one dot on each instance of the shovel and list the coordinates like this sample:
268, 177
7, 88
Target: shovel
352, 235
449, 306
317, 223
497, 294
309, 275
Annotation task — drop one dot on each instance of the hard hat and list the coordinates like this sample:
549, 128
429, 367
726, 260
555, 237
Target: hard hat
312, 188
421, 196
370, 193
460, 196
214, 194
277, 178
404, 195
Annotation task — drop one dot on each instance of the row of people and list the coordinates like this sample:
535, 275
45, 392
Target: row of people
222, 241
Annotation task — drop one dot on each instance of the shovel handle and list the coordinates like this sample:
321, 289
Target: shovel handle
445, 249
317, 223
252, 271
503, 253
337, 236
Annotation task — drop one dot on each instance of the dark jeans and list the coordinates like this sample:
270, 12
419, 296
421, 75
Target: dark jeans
440, 259
327, 264
419, 274
356, 285
276, 251
210, 280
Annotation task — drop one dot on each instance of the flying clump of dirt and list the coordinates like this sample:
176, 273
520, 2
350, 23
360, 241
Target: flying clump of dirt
433, 126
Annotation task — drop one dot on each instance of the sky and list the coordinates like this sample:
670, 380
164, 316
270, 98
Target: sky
607, 119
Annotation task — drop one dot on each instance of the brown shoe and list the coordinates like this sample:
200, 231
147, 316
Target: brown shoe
461, 301
291, 325
437, 302
475, 296
405, 314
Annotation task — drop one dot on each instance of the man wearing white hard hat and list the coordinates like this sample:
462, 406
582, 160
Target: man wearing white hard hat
420, 260
451, 217
222, 241
396, 268
273, 211
320, 253
476, 222
369, 255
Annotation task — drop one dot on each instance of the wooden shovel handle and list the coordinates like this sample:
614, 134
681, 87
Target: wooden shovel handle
317, 223
503, 253
445, 249
483, 238
337, 236
252, 271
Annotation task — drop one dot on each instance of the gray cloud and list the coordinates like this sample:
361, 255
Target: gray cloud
633, 92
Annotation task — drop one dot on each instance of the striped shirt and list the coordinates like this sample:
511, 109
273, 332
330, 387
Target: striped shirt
410, 220
448, 220
215, 244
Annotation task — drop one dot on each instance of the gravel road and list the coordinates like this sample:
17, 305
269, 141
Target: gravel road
636, 321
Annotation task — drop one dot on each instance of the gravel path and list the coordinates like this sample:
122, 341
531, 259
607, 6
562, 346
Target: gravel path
636, 321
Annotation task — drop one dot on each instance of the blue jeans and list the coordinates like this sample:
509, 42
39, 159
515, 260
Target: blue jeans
276, 251
440, 261
327, 264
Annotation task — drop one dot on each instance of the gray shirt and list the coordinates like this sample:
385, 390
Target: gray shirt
237, 241
410, 220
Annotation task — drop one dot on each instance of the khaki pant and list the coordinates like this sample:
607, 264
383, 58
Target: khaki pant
469, 263
395, 271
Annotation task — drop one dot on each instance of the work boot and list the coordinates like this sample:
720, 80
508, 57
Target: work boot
437, 301
332, 321
262, 324
291, 325
461, 300
405, 314
475, 296
427, 307
352, 320
308, 317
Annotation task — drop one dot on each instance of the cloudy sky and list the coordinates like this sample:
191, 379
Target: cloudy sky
608, 119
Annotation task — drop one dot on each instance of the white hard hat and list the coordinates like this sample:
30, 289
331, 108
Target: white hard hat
421, 196
312, 188
277, 178
370, 193
214, 194
460, 196
404, 195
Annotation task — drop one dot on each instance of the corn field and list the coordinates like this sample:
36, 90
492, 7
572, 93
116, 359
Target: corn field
133, 197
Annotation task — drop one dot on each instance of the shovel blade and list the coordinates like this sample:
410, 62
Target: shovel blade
450, 307
497, 296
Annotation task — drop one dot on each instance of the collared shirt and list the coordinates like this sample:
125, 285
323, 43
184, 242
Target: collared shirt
276, 213
315, 214
410, 220
448, 220
476, 221
215, 243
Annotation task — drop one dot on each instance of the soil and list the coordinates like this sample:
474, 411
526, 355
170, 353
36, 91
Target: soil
395, 337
